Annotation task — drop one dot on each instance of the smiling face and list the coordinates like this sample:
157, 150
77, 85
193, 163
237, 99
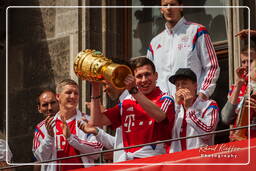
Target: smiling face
171, 15
68, 97
145, 78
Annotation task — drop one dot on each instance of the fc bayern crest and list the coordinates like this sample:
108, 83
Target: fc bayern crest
184, 38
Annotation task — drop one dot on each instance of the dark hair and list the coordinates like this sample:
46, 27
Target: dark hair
141, 61
179, 1
42, 92
64, 83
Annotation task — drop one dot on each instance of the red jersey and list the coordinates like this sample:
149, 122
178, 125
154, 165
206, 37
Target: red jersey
64, 149
137, 126
241, 93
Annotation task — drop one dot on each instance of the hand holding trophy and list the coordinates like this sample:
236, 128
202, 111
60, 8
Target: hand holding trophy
94, 66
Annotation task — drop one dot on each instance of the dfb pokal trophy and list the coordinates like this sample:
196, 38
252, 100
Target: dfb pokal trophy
92, 65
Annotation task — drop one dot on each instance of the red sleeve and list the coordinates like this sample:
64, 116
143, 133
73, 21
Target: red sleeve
167, 106
114, 116
170, 115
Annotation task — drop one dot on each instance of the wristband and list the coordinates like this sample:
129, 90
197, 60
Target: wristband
97, 97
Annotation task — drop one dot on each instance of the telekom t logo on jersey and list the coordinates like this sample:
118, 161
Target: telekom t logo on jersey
129, 122
61, 142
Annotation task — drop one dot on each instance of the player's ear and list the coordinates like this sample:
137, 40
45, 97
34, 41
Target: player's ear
58, 96
161, 11
38, 108
156, 75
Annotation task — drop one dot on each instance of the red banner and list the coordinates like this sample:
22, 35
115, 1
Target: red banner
239, 155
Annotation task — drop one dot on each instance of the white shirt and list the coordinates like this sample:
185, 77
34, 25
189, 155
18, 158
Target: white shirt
111, 142
187, 45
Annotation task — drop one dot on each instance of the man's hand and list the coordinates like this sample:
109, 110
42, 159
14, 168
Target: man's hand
65, 128
129, 82
49, 124
87, 128
244, 33
241, 72
185, 97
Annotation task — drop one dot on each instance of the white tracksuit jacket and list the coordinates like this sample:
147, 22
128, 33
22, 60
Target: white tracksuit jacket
44, 146
202, 117
111, 142
187, 45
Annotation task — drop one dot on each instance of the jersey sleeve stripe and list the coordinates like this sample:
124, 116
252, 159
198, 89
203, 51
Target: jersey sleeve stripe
36, 141
165, 105
213, 121
201, 124
212, 105
200, 31
167, 101
92, 144
167, 97
214, 60
41, 123
211, 71
151, 49
40, 132
197, 122
214, 64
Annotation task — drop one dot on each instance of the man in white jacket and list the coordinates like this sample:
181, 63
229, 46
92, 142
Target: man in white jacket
62, 137
108, 141
47, 105
183, 44
194, 116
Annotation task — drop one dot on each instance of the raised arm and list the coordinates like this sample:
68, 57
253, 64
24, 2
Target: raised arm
150, 107
244, 33
43, 142
97, 117
240, 80
228, 113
